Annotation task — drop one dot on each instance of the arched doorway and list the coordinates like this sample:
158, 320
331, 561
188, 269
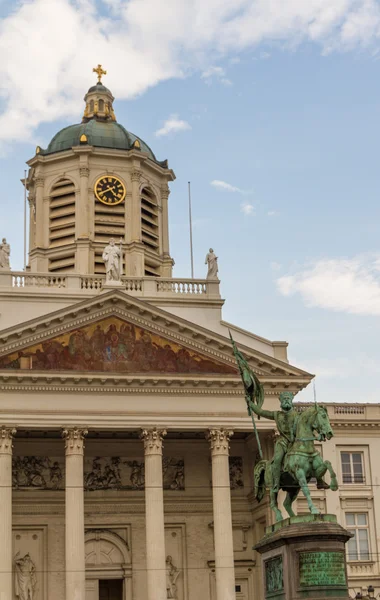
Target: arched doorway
108, 566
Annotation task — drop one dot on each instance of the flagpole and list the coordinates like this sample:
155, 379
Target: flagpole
191, 235
247, 398
24, 220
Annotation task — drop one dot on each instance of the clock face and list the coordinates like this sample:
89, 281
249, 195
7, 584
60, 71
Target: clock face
109, 190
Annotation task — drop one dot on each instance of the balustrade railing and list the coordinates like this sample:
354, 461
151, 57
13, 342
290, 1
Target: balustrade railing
182, 286
22, 280
137, 286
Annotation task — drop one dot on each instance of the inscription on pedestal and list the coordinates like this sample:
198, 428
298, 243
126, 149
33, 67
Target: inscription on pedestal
321, 569
273, 575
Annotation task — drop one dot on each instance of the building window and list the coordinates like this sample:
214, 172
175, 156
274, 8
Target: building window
358, 546
352, 467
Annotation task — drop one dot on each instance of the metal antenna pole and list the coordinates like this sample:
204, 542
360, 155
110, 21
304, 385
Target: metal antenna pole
191, 235
25, 220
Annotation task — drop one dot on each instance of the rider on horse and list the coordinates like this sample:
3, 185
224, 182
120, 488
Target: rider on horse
286, 421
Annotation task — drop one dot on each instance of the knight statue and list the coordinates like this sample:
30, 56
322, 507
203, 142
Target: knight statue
296, 460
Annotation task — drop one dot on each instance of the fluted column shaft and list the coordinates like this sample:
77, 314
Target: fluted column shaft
223, 540
40, 213
6, 438
154, 514
136, 207
75, 553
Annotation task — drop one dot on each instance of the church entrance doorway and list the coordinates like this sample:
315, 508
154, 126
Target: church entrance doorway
110, 589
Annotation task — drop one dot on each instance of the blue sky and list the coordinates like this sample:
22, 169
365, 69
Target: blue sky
274, 111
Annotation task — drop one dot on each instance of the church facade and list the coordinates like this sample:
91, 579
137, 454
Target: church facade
126, 452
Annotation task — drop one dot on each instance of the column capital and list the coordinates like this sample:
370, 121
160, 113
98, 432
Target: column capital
84, 171
153, 439
219, 440
165, 192
136, 176
74, 440
6, 439
39, 181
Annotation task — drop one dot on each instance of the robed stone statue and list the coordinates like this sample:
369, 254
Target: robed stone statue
112, 259
5, 251
212, 263
25, 577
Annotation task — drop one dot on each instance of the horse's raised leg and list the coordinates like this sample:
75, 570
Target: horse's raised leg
334, 481
290, 497
274, 505
301, 478
320, 467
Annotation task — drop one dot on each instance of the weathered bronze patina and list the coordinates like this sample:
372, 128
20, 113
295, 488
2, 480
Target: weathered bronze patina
322, 569
295, 459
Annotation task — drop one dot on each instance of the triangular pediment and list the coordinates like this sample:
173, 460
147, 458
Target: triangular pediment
117, 335
113, 345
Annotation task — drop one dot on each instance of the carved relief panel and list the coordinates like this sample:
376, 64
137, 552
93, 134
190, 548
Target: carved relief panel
121, 473
38, 472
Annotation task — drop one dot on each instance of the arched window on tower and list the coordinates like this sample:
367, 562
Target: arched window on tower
101, 105
91, 106
62, 225
150, 231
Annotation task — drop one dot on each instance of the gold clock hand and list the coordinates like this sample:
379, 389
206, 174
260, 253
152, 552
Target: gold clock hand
106, 190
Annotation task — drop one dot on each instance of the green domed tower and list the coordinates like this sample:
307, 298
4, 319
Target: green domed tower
96, 181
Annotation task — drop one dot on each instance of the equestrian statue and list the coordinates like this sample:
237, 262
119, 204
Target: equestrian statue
295, 461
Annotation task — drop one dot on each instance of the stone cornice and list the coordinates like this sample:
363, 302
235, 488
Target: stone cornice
186, 384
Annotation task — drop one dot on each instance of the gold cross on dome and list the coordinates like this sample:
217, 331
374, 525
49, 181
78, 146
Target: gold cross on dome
99, 71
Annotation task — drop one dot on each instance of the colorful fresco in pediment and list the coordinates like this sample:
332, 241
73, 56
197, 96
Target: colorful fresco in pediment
112, 345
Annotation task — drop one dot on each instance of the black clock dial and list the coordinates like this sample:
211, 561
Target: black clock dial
109, 190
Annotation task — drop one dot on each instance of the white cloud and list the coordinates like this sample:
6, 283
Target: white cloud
217, 73
227, 187
273, 213
172, 125
49, 47
345, 285
248, 209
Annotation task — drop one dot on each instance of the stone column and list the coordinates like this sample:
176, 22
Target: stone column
154, 514
39, 183
6, 556
75, 556
223, 541
136, 207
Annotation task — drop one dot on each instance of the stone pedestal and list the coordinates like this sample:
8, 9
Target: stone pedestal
304, 557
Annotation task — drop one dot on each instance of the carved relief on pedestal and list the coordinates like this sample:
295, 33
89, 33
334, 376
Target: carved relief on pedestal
119, 473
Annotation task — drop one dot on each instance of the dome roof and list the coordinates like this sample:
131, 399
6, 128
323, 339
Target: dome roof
99, 87
102, 134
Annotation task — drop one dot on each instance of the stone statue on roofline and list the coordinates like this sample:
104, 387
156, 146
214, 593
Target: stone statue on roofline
112, 256
295, 461
212, 263
5, 251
